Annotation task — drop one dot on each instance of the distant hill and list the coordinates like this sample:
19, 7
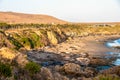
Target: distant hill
15, 18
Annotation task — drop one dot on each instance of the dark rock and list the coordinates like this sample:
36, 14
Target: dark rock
52, 63
90, 72
99, 62
112, 70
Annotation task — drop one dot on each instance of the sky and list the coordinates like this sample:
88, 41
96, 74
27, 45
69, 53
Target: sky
69, 10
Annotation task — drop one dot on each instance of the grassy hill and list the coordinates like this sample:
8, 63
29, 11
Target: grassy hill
17, 18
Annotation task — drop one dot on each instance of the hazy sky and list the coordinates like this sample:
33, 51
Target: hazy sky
70, 10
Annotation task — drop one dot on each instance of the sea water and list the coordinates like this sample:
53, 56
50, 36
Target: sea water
114, 44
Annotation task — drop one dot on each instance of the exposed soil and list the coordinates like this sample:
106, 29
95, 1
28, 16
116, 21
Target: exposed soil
94, 45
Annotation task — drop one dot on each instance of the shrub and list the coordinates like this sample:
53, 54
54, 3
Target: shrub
5, 70
16, 43
32, 67
108, 77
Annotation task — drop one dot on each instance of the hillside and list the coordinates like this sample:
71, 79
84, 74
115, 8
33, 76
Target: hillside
58, 52
16, 18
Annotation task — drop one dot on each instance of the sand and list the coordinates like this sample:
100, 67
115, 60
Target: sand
94, 45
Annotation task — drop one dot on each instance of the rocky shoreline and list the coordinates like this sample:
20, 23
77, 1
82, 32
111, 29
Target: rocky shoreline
81, 57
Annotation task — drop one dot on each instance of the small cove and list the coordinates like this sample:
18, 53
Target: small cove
114, 45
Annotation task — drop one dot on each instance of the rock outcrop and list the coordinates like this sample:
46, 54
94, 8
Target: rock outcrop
52, 37
71, 68
13, 57
112, 70
4, 42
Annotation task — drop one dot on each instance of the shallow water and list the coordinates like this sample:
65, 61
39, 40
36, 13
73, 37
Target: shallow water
114, 44
117, 62
99, 68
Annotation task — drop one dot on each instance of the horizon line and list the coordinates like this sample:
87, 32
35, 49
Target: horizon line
79, 22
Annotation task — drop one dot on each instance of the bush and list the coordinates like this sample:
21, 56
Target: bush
32, 67
5, 70
16, 43
108, 77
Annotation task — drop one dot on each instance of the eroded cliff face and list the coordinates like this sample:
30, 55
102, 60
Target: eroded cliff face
4, 42
33, 38
14, 42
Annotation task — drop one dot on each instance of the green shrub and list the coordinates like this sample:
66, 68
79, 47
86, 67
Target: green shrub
32, 67
16, 43
5, 70
107, 77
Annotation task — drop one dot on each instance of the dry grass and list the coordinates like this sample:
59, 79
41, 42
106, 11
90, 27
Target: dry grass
15, 18
7, 53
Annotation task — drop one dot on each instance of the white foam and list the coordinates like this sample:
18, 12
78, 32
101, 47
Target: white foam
117, 62
115, 43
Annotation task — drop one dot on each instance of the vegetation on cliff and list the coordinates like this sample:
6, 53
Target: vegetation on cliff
34, 36
20, 37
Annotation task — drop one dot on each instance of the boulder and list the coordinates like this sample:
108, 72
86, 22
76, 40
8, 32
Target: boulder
83, 61
46, 74
58, 76
52, 37
90, 72
99, 62
71, 68
21, 59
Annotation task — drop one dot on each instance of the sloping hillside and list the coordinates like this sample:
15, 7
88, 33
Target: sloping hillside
15, 18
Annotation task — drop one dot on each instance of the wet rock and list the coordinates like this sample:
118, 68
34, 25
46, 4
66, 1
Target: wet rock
45, 58
71, 68
52, 63
99, 62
